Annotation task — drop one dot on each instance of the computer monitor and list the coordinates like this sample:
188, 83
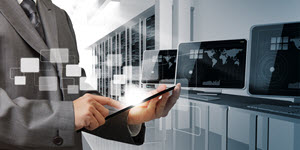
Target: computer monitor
159, 66
275, 60
212, 64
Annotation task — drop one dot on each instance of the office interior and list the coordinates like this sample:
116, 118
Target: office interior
127, 29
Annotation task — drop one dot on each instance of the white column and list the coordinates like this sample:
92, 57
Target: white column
163, 23
184, 20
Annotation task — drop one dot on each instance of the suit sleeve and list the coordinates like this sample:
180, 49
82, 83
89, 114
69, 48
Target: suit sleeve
25, 122
115, 128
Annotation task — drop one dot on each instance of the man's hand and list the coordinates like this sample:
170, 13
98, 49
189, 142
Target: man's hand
90, 112
155, 108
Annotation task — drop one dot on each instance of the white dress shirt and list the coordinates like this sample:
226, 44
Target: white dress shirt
20, 1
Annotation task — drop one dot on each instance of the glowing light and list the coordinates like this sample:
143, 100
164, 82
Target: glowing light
135, 95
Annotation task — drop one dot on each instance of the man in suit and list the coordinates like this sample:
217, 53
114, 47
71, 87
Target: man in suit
34, 118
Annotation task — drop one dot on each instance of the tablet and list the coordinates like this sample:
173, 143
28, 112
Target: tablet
145, 100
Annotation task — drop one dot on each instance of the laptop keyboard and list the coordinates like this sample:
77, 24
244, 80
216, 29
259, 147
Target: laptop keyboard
277, 109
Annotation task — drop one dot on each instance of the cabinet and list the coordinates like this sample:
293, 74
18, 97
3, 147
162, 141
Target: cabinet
217, 135
260, 131
284, 135
199, 126
241, 130
190, 125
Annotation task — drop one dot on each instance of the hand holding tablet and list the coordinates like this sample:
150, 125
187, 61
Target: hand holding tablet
145, 100
159, 106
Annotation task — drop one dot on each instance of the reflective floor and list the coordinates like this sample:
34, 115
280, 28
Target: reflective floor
185, 128
196, 125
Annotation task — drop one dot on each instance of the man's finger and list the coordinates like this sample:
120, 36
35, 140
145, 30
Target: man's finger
176, 91
97, 114
172, 99
161, 104
107, 101
145, 104
152, 105
158, 89
101, 109
93, 124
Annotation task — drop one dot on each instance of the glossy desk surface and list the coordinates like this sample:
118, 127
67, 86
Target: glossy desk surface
241, 102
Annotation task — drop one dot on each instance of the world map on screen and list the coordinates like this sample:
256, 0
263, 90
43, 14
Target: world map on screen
224, 56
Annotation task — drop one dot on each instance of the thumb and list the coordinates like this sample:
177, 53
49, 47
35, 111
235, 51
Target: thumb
159, 89
153, 102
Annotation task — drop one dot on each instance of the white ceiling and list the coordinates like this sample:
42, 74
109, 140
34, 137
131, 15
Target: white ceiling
89, 6
80, 12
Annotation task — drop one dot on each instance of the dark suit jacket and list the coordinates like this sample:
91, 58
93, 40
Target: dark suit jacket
34, 119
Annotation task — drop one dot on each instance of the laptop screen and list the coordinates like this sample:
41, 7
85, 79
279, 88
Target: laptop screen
159, 66
213, 64
275, 60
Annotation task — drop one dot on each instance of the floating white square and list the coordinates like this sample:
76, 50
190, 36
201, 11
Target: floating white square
73, 71
114, 60
128, 72
135, 73
98, 73
20, 80
73, 89
84, 86
115, 89
48, 83
59, 55
30, 65
119, 79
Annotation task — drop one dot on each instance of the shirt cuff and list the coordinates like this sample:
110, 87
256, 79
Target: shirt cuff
134, 130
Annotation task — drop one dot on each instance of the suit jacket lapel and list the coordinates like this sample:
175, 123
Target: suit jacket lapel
13, 12
48, 18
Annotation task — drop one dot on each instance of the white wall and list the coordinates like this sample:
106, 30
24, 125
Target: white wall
225, 19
